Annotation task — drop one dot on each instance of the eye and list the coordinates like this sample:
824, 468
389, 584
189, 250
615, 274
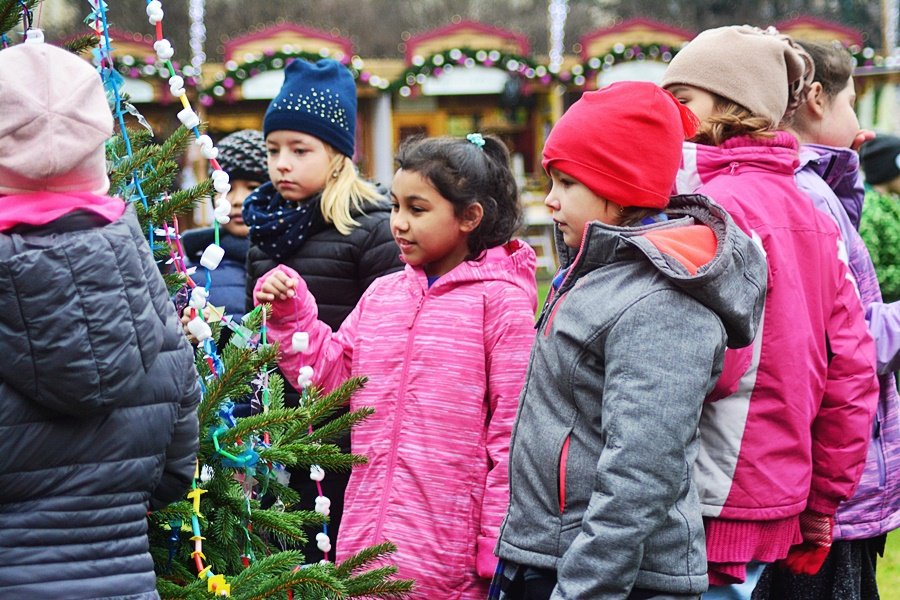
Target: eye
395, 206
300, 151
271, 151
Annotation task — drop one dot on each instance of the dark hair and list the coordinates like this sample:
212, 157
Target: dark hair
834, 65
465, 174
631, 216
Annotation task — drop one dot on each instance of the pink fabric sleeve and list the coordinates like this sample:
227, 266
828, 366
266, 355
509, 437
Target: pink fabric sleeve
329, 353
509, 334
843, 425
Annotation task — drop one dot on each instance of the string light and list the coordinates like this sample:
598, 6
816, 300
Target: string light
558, 10
197, 13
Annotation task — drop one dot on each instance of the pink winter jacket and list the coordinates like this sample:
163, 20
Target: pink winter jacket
445, 367
792, 415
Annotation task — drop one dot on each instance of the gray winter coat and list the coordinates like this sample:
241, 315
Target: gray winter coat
98, 397
606, 435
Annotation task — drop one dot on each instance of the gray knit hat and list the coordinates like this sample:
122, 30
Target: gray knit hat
763, 71
242, 155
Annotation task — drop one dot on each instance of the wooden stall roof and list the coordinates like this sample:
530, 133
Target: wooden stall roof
465, 34
277, 37
632, 31
820, 30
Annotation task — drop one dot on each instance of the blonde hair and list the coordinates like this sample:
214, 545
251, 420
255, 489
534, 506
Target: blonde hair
345, 192
731, 120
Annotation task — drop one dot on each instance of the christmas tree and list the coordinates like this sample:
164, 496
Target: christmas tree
221, 540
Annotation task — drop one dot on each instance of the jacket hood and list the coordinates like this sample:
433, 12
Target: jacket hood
839, 168
77, 327
514, 262
700, 250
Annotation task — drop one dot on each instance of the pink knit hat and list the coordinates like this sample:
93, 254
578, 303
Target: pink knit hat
55, 122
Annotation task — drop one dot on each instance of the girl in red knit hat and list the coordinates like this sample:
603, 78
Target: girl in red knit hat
784, 439
630, 341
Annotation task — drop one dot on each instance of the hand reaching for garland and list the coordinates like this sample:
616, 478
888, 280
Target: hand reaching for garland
278, 285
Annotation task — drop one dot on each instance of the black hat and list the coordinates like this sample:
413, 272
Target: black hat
242, 155
880, 159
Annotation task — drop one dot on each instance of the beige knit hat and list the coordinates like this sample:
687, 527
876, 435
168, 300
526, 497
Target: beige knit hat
55, 122
763, 71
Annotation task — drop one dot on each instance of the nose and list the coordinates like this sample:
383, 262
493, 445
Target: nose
398, 223
550, 201
282, 162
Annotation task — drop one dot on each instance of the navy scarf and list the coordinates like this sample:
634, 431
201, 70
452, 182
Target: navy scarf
278, 226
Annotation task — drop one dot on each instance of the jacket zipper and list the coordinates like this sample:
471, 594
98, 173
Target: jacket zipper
401, 394
733, 166
879, 453
563, 461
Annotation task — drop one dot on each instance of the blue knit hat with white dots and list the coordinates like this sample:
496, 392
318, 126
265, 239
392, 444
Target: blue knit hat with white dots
318, 99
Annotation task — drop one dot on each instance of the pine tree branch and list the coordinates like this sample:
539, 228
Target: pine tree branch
363, 558
11, 13
81, 43
333, 429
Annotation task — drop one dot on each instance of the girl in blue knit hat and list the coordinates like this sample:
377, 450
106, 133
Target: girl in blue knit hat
318, 217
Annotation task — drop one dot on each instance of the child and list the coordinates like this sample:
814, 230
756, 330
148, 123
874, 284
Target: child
629, 344
881, 163
444, 344
784, 441
318, 217
243, 156
826, 126
98, 391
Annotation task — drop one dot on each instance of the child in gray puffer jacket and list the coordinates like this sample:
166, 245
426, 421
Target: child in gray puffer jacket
98, 391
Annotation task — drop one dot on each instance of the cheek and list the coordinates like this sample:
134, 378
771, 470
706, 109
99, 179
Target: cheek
701, 108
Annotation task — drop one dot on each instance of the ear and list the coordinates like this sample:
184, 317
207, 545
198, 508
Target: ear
816, 101
471, 218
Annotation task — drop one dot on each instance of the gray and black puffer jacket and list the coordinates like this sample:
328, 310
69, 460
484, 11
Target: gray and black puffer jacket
98, 397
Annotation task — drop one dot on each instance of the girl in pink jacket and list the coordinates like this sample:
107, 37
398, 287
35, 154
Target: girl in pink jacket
784, 440
445, 345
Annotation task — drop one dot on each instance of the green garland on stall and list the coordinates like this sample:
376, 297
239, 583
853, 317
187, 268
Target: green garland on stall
460, 58
236, 73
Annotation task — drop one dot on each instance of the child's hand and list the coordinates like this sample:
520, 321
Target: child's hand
186, 316
278, 286
862, 136
185, 319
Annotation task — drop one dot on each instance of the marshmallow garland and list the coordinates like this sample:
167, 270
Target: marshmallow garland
187, 116
197, 326
300, 344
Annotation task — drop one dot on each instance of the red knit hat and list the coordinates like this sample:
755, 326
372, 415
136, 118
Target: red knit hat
622, 142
